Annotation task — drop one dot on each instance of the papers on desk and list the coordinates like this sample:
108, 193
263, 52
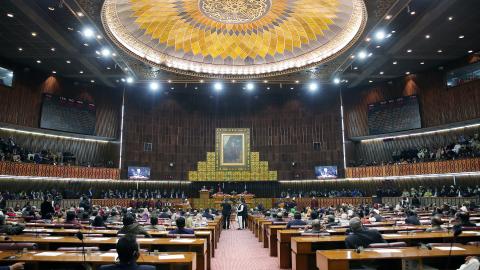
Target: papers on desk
391, 234
171, 257
387, 250
145, 239
52, 238
99, 238
471, 232
49, 254
448, 248
182, 240
109, 254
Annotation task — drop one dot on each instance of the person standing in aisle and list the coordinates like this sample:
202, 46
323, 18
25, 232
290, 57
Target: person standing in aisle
226, 211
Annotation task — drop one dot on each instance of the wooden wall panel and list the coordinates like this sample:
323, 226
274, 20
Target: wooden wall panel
438, 105
182, 129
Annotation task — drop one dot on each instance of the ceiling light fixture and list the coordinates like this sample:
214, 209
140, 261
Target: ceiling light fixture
427, 36
54, 72
52, 49
450, 18
51, 8
413, 13
362, 54
409, 50
20, 49
81, 72
381, 72
154, 86
388, 17
394, 62
250, 86
88, 32
461, 36
129, 80
68, 61
313, 87
422, 63
470, 51
336, 81
80, 14
380, 35
407, 73
39, 61
34, 34
218, 86
440, 51
10, 15
105, 52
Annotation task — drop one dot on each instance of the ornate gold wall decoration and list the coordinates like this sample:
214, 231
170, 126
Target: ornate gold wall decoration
232, 160
234, 38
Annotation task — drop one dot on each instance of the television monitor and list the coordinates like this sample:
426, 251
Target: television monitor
326, 172
138, 173
6, 77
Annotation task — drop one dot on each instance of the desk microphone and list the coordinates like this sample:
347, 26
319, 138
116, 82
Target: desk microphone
457, 231
79, 235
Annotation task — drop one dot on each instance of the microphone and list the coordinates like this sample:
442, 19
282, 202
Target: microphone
79, 235
457, 231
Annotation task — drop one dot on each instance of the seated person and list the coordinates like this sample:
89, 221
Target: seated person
98, 222
154, 224
436, 225
297, 220
412, 218
10, 229
463, 219
316, 228
313, 217
16, 266
72, 219
128, 254
130, 226
181, 227
471, 263
207, 214
361, 237
331, 221
375, 214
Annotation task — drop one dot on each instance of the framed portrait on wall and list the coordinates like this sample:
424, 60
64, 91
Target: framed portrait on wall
232, 146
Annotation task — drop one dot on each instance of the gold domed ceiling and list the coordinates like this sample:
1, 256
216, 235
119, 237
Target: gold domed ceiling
234, 38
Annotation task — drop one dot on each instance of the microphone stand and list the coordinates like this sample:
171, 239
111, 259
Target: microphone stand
79, 235
457, 230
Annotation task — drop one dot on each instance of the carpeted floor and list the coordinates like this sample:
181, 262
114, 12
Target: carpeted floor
240, 250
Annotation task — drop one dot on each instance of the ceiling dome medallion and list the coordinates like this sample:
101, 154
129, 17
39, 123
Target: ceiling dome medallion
234, 38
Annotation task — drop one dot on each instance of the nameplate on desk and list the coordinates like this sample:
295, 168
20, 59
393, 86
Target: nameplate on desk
182, 240
448, 248
171, 257
386, 250
49, 254
52, 238
99, 238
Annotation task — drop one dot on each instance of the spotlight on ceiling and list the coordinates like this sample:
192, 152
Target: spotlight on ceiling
106, 52
380, 35
362, 54
218, 86
312, 87
129, 80
336, 81
250, 86
88, 32
154, 86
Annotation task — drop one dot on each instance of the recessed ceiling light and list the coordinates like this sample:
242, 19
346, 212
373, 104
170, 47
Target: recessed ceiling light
52, 49
51, 8
92, 81
394, 62
81, 72
169, 81
70, 28
88, 32
470, 51
201, 81
336, 81
265, 81
10, 15
109, 68
99, 37
388, 17
450, 18
355, 68
126, 69
297, 81
129, 79
427, 36
80, 14
268, 88
20, 49
393, 31
362, 54
106, 52
68, 61
367, 39
378, 47
461, 36
352, 56
440, 51
381, 72
422, 63
85, 44
196, 88
370, 81
114, 54
39, 61
34, 34
407, 73
172, 88
54, 72
218, 86
380, 35
409, 50
291, 88
233, 81
413, 12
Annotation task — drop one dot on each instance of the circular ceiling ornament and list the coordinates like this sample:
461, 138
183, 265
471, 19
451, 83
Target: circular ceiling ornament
234, 11
234, 38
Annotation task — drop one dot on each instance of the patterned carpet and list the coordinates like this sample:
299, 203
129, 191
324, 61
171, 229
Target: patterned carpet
240, 250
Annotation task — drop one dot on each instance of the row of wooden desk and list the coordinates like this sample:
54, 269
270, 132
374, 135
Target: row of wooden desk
297, 252
202, 246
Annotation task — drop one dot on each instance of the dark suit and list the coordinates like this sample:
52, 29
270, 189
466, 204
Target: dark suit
363, 238
120, 266
412, 220
226, 211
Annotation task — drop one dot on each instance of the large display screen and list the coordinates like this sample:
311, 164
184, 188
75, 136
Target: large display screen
394, 115
66, 114
138, 173
6, 77
326, 172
